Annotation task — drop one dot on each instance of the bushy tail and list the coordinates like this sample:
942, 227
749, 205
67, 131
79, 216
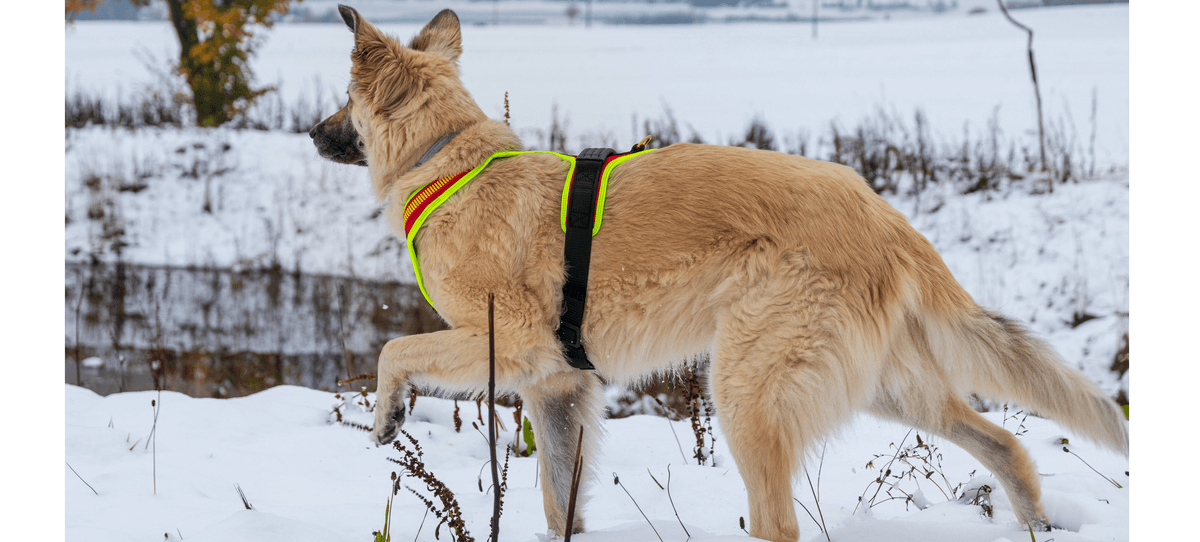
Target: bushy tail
1008, 363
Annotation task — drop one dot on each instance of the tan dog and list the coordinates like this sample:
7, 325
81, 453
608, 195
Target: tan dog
814, 298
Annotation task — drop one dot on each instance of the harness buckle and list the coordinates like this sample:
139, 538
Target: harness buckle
569, 334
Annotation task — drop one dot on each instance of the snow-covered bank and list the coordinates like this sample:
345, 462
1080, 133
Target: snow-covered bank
1051, 260
309, 480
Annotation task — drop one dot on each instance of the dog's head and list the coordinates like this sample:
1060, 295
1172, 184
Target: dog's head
401, 99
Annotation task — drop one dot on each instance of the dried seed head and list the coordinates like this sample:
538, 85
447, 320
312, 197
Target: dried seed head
741, 522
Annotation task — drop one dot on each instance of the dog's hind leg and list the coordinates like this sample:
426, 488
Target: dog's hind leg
952, 418
779, 385
558, 405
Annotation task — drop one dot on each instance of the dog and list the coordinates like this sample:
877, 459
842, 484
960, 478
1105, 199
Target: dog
812, 296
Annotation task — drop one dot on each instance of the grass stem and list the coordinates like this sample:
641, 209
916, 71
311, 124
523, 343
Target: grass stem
82, 480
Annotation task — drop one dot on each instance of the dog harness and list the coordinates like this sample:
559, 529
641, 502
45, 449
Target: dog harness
580, 217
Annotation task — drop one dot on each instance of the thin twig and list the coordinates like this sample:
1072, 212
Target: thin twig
243, 496
810, 514
677, 443
419, 527
816, 495
689, 535
1036, 92
617, 480
660, 486
1091, 467
157, 405
492, 416
78, 308
576, 474
84, 481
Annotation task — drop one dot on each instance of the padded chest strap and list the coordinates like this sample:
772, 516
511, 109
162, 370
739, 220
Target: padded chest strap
577, 250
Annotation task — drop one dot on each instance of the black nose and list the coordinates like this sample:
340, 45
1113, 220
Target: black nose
313, 132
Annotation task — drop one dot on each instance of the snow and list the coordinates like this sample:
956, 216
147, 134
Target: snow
310, 479
1037, 258
714, 77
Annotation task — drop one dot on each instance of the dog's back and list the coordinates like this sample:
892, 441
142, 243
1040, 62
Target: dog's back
722, 220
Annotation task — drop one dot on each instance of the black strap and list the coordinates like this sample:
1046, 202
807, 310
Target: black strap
577, 251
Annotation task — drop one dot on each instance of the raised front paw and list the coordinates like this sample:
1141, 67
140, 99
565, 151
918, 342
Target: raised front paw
388, 423
389, 412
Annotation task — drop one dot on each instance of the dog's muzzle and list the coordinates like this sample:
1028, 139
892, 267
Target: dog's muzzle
339, 143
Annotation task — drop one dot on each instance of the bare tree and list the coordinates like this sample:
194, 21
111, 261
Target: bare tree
1036, 91
216, 42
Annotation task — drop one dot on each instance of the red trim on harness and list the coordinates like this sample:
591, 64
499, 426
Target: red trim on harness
427, 195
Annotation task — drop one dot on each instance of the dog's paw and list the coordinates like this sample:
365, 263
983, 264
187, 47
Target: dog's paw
386, 428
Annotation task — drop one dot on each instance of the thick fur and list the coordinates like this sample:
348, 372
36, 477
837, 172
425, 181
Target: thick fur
814, 297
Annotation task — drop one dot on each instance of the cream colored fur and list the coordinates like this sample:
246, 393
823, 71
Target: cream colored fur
813, 296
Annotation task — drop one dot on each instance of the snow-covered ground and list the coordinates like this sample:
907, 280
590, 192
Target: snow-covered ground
312, 480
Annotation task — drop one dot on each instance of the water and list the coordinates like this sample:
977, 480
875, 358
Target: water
225, 333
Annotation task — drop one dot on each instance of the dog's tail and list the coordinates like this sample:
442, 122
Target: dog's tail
1006, 362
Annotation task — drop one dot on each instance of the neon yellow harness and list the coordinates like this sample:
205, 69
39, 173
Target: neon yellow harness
421, 205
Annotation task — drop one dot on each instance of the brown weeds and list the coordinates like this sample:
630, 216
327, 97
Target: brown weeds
448, 513
696, 401
923, 462
356, 378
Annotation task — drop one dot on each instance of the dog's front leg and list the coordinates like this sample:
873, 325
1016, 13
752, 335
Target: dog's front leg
389, 402
458, 359
558, 406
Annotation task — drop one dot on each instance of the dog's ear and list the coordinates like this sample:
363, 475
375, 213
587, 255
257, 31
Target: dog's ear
350, 16
368, 41
443, 35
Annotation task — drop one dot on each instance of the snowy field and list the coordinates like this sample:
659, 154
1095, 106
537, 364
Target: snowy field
716, 77
1038, 258
310, 480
